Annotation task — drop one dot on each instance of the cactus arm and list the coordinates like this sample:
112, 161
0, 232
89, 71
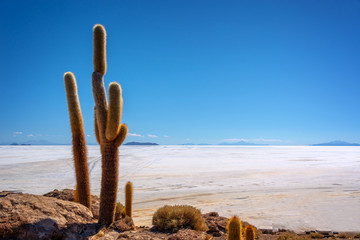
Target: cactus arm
114, 111
78, 139
100, 103
122, 135
97, 134
99, 49
128, 199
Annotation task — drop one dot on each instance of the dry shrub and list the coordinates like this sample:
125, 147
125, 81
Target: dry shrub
343, 235
291, 236
173, 218
316, 235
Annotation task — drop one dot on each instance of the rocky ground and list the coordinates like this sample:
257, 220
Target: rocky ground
56, 216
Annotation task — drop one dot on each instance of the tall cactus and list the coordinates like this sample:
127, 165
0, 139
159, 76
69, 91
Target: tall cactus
128, 199
82, 191
234, 229
249, 233
110, 133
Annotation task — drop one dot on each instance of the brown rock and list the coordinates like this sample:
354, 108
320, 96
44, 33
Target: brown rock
216, 224
186, 234
27, 216
123, 224
68, 194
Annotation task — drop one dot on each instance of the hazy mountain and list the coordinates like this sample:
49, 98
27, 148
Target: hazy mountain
336, 143
32, 142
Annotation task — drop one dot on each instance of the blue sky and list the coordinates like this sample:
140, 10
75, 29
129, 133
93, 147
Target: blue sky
278, 72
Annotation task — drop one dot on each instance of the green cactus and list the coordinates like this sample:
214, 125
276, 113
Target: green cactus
249, 232
234, 229
128, 199
82, 191
109, 132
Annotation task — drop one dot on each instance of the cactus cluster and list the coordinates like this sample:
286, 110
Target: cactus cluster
234, 230
109, 131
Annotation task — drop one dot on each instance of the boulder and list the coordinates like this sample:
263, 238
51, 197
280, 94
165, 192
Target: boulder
27, 216
216, 224
68, 195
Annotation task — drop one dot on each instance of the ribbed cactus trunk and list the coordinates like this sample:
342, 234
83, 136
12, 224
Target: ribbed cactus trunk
109, 182
109, 131
82, 192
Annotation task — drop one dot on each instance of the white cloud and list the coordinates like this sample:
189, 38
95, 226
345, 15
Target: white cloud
135, 135
88, 135
30, 135
17, 133
166, 136
152, 136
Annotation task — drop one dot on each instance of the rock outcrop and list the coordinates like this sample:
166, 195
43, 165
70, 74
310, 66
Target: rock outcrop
27, 216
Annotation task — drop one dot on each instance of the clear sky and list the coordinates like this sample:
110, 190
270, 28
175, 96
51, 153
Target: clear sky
278, 72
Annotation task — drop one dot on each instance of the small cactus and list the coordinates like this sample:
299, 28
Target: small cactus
234, 229
110, 133
119, 211
128, 199
249, 232
82, 191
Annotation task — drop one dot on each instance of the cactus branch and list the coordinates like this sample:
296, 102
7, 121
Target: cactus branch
122, 135
114, 112
99, 49
100, 103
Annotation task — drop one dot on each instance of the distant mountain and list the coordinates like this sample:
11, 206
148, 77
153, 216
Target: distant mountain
16, 144
336, 143
141, 143
33, 142
242, 143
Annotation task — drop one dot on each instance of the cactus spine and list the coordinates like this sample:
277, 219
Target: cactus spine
128, 199
82, 191
109, 132
234, 229
249, 232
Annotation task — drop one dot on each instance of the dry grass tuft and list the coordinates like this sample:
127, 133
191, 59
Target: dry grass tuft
173, 218
317, 235
291, 236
